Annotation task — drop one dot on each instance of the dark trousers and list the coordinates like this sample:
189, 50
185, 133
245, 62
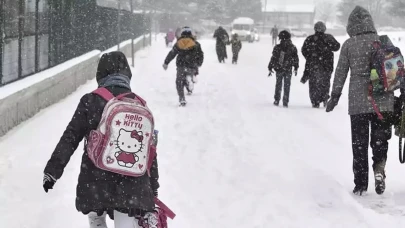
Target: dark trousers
380, 134
286, 78
181, 81
319, 85
235, 56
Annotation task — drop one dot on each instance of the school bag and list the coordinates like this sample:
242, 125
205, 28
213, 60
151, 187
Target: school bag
158, 218
122, 142
387, 70
283, 60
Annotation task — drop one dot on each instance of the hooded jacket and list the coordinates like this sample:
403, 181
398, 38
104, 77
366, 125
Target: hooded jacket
355, 56
98, 190
290, 57
189, 53
318, 50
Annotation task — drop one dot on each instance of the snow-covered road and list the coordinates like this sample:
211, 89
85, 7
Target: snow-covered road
229, 159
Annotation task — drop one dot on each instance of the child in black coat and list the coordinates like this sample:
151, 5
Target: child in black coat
236, 47
285, 57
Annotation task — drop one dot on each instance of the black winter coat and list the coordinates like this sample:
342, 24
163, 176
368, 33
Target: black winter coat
236, 45
290, 58
99, 190
189, 53
221, 36
318, 50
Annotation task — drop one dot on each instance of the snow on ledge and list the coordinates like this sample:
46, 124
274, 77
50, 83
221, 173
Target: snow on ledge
124, 43
19, 85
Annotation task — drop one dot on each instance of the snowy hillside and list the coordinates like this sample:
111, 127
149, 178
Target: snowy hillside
229, 159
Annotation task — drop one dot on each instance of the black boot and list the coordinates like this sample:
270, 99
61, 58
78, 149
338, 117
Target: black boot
276, 103
379, 177
359, 190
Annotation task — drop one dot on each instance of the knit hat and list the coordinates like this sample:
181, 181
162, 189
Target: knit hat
113, 63
320, 27
284, 35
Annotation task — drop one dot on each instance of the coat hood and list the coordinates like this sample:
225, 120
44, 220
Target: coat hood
360, 22
113, 63
186, 43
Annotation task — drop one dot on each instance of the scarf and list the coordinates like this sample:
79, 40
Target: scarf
119, 80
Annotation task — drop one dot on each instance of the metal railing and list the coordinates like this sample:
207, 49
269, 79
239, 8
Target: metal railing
38, 34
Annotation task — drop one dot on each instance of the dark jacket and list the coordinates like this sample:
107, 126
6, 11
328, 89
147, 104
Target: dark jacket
286, 63
99, 190
189, 53
236, 45
222, 36
274, 32
318, 50
356, 56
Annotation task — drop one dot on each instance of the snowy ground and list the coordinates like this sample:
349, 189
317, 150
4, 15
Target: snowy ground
229, 159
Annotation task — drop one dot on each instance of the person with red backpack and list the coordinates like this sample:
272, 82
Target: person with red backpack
119, 170
356, 55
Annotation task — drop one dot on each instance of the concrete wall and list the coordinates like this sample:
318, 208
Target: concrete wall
58, 83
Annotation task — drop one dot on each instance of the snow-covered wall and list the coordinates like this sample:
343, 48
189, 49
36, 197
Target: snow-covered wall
23, 99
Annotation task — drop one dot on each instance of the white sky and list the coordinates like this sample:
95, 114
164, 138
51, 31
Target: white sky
289, 1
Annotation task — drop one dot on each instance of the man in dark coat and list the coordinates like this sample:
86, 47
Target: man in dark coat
318, 51
222, 38
97, 190
284, 58
274, 34
190, 57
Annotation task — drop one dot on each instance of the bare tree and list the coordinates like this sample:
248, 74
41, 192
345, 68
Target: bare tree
325, 10
375, 7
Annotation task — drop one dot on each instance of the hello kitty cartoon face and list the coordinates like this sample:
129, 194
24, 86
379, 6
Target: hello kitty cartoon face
130, 141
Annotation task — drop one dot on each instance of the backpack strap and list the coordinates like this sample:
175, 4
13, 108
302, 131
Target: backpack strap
143, 102
169, 213
104, 93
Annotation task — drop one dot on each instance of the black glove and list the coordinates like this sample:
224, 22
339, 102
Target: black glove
271, 72
48, 182
333, 101
295, 71
155, 193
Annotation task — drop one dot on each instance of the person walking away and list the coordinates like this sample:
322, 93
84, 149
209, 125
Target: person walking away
236, 47
222, 38
355, 56
274, 34
284, 58
318, 51
170, 36
190, 57
131, 199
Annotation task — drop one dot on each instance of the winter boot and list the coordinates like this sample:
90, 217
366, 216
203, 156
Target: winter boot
379, 177
183, 102
96, 221
359, 190
315, 105
276, 103
285, 105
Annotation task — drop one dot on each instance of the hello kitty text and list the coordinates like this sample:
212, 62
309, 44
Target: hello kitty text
133, 121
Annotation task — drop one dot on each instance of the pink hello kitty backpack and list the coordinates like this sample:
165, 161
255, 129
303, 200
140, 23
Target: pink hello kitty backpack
122, 142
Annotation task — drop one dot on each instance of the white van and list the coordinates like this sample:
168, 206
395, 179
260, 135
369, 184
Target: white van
244, 27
